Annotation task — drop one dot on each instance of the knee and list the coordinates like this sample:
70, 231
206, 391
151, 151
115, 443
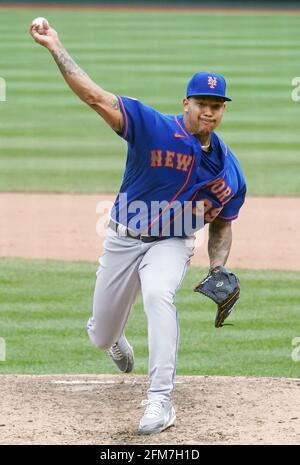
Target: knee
98, 336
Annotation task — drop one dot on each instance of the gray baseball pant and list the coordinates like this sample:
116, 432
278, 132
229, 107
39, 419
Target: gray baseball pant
157, 268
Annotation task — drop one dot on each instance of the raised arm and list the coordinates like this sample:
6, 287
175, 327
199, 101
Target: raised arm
103, 102
219, 242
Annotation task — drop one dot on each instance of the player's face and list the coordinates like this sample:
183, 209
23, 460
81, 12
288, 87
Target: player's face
203, 114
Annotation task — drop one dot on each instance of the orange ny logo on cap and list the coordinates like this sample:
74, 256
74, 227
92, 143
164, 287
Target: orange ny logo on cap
212, 82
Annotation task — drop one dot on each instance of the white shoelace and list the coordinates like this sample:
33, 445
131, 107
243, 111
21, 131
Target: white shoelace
153, 407
115, 352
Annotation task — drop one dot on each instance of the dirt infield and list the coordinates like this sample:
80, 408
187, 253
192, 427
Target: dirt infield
63, 227
87, 410
259, 9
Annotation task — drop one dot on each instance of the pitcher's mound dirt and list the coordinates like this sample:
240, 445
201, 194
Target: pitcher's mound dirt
104, 409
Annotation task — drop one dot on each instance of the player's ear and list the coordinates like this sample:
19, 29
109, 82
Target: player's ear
185, 104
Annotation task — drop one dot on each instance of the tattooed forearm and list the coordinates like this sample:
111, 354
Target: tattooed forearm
66, 63
219, 243
104, 103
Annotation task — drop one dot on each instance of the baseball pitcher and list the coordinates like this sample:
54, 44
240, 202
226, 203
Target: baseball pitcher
178, 170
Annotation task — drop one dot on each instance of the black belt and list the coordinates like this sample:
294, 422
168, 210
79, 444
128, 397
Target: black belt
115, 226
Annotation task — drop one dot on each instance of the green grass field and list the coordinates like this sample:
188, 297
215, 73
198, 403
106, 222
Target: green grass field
45, 305
51, 141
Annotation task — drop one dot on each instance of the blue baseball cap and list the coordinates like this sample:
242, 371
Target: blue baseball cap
207, 84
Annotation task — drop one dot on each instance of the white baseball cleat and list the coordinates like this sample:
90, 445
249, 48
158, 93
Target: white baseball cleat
122, 354
159, 415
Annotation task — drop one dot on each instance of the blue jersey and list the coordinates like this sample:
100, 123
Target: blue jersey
167, 171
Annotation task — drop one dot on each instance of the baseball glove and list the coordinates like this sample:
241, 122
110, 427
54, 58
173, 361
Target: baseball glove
223, 287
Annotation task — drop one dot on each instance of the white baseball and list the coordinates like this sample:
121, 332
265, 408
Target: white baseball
38, 22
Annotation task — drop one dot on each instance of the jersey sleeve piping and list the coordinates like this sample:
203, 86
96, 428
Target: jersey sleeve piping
123, 110
228, 217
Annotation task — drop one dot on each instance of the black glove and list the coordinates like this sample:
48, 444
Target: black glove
223, 287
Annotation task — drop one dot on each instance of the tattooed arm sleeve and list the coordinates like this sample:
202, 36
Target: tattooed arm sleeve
219, 242
103, 102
